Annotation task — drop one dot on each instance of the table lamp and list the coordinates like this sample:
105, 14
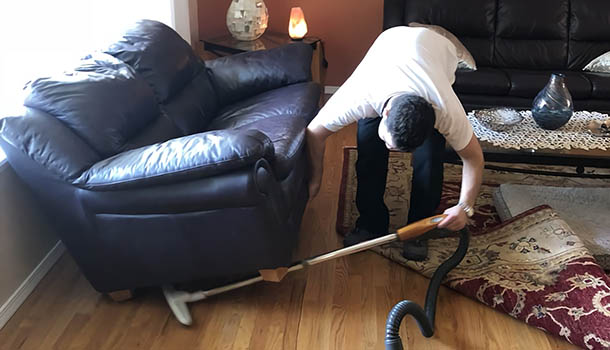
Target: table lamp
297, 28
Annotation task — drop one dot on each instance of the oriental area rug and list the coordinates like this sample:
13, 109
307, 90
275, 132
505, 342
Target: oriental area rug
532, 267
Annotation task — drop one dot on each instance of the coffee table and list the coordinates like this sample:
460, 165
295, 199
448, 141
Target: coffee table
574, 157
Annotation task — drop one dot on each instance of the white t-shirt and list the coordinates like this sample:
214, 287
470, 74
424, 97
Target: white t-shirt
402, 60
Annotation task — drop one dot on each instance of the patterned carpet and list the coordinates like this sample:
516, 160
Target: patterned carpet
533, 267
584, 209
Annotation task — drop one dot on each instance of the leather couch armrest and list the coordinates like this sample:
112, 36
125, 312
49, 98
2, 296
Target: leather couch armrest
182, 159
247, 74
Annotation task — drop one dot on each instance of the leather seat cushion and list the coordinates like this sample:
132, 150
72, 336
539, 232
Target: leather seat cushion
527, 83
484, 81
281, 114
471, 102
600, 83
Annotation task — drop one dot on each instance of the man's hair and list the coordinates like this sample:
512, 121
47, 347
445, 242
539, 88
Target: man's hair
410, 121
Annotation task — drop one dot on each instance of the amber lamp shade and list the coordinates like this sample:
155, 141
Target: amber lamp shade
297, 28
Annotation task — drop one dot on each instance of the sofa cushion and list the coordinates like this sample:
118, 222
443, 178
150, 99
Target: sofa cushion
159, 54
294, 99
530, 54
160, 130
241, 76
600, 83
186, 158
169, 64
281, 114
531, 34
103, 101
589, 36
527, 83
527, 40
45, 140
193, 107
471, 102
485, 81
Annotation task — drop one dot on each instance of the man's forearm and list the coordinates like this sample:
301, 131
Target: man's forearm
316, 141
472, 172
315, 151
472, 177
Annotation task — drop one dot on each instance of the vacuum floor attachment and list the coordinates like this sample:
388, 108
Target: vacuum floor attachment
177, 300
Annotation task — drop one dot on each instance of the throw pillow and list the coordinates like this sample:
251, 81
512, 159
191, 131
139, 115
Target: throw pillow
466, 61
601, 64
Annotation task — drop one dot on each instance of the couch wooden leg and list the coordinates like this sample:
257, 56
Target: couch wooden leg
121, 295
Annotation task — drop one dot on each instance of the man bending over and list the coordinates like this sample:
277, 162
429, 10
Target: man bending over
401, 97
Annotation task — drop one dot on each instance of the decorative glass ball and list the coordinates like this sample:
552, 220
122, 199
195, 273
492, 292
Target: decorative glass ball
247, 19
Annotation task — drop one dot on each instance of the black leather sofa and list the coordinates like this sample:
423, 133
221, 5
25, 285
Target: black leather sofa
517, 44
158, 167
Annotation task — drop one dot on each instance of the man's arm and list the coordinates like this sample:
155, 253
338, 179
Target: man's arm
316, 141
343, 108
472, 176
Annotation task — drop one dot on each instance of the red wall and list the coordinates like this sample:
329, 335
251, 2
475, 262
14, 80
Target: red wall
347, 27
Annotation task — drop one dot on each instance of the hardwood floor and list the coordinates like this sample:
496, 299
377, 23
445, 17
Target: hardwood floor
341, 304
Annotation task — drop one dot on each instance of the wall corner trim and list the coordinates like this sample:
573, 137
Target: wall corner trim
27, 286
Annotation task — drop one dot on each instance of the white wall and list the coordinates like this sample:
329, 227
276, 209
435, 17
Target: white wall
28, 245
25, 238
184, 20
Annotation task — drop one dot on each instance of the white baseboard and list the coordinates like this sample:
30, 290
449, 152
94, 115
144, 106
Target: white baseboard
14, 302
329, 89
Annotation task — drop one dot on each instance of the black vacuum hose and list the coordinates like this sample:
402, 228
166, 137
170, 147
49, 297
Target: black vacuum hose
425, 319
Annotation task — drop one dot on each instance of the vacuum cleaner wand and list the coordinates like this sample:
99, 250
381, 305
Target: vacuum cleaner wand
410, 231
177, 299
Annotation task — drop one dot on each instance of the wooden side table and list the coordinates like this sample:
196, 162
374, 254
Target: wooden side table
227, 45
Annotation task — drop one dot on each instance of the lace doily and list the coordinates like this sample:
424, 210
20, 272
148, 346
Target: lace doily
528, 134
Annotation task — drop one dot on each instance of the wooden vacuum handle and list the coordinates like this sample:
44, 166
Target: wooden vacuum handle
419, 227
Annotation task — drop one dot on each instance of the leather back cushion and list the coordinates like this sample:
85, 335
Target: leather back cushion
103, 101
270, 69
193, 108
174, 71
159, 130
532, 34
540, 34
44, 139
472, 21
589, 31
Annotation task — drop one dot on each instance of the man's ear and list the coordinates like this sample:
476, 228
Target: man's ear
386, 112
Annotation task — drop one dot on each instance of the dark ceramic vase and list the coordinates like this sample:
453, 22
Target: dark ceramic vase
553, 105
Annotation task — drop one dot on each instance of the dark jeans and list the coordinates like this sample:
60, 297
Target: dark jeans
372, 169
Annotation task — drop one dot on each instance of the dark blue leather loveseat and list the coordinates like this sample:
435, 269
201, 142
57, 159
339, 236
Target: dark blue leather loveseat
158, 167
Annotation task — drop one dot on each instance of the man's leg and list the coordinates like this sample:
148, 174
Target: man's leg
371, 171
426, 188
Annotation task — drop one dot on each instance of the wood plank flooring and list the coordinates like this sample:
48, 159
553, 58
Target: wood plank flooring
341, 304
